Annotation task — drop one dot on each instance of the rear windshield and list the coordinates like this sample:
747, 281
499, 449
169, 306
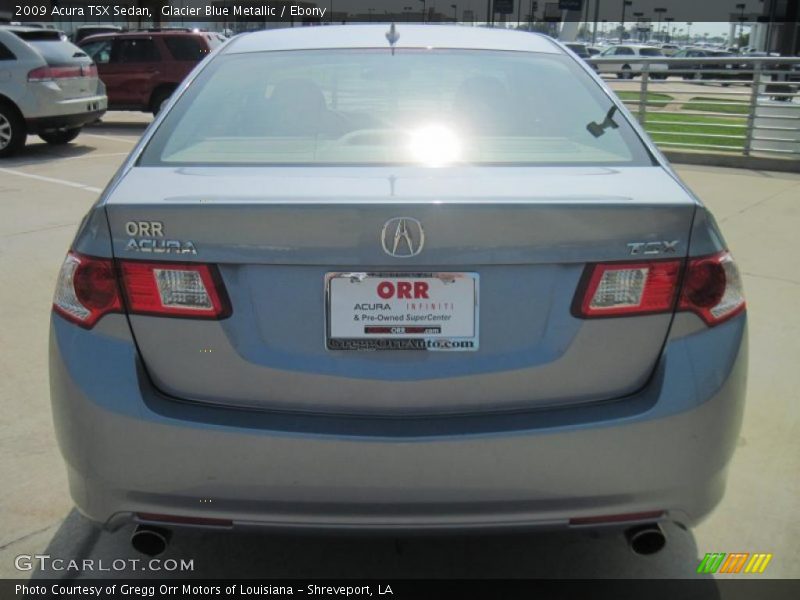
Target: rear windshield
39, 35
651, 52
370, 107
58, 52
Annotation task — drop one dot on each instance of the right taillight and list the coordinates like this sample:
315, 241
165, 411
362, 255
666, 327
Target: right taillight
712, 288
709, 286
626, 289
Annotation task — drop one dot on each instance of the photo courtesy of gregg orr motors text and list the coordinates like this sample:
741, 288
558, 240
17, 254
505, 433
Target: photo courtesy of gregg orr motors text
189, 590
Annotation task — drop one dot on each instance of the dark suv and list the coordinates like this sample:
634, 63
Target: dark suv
142, 68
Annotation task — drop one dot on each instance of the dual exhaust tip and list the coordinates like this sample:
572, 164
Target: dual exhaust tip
643, 540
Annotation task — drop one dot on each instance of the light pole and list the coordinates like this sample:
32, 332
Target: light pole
407, 10
625, 3
669, 21
423, 10
659, 12
530, 17
638, 16
689, 32
455, 12
741, 8
596, 17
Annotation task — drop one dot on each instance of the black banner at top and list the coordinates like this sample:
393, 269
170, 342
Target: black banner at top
496, 12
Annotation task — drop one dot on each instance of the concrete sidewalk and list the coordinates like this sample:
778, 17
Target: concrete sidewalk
41, 203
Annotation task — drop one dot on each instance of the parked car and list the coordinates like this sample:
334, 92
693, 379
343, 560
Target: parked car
704, 70
448, 286
783, 80
625, 64
48, 87
141, 69
84, 31
581, 50
670, 49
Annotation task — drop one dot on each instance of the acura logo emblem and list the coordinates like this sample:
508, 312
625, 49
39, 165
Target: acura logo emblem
402, 237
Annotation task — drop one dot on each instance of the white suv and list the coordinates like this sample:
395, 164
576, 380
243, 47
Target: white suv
626, 67
48, 87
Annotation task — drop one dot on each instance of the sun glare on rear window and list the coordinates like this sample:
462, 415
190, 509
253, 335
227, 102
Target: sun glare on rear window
369, 106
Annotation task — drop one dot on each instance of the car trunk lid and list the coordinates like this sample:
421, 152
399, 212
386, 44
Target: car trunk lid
526, 234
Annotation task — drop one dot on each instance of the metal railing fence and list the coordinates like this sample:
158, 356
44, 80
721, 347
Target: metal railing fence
732, 104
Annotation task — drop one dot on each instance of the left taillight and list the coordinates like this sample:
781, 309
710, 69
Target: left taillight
54, 73
90, 287
86, 290
174, 289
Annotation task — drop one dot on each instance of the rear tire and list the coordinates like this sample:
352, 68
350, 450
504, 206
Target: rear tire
60, 136
12, 130
626, 73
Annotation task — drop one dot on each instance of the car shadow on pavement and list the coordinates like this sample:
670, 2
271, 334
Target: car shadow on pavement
118, 125
218, 555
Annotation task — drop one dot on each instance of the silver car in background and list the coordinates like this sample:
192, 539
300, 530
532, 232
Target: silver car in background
48, 86
397, 278
623, 60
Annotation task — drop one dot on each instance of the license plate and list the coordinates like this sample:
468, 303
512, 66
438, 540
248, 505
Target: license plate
402, 311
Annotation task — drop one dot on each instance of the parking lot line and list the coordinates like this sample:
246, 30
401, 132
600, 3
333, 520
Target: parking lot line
112, 137
73, 184
94, 156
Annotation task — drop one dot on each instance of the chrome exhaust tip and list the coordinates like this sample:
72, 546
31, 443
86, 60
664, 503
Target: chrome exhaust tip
646, 539
150, 540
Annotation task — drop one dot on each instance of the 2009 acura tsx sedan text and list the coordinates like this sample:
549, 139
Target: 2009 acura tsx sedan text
397, 278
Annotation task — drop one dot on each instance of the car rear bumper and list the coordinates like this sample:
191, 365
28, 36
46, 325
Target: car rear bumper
46, 104
63, 121
130, 450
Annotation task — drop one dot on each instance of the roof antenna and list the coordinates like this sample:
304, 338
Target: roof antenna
392, 36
